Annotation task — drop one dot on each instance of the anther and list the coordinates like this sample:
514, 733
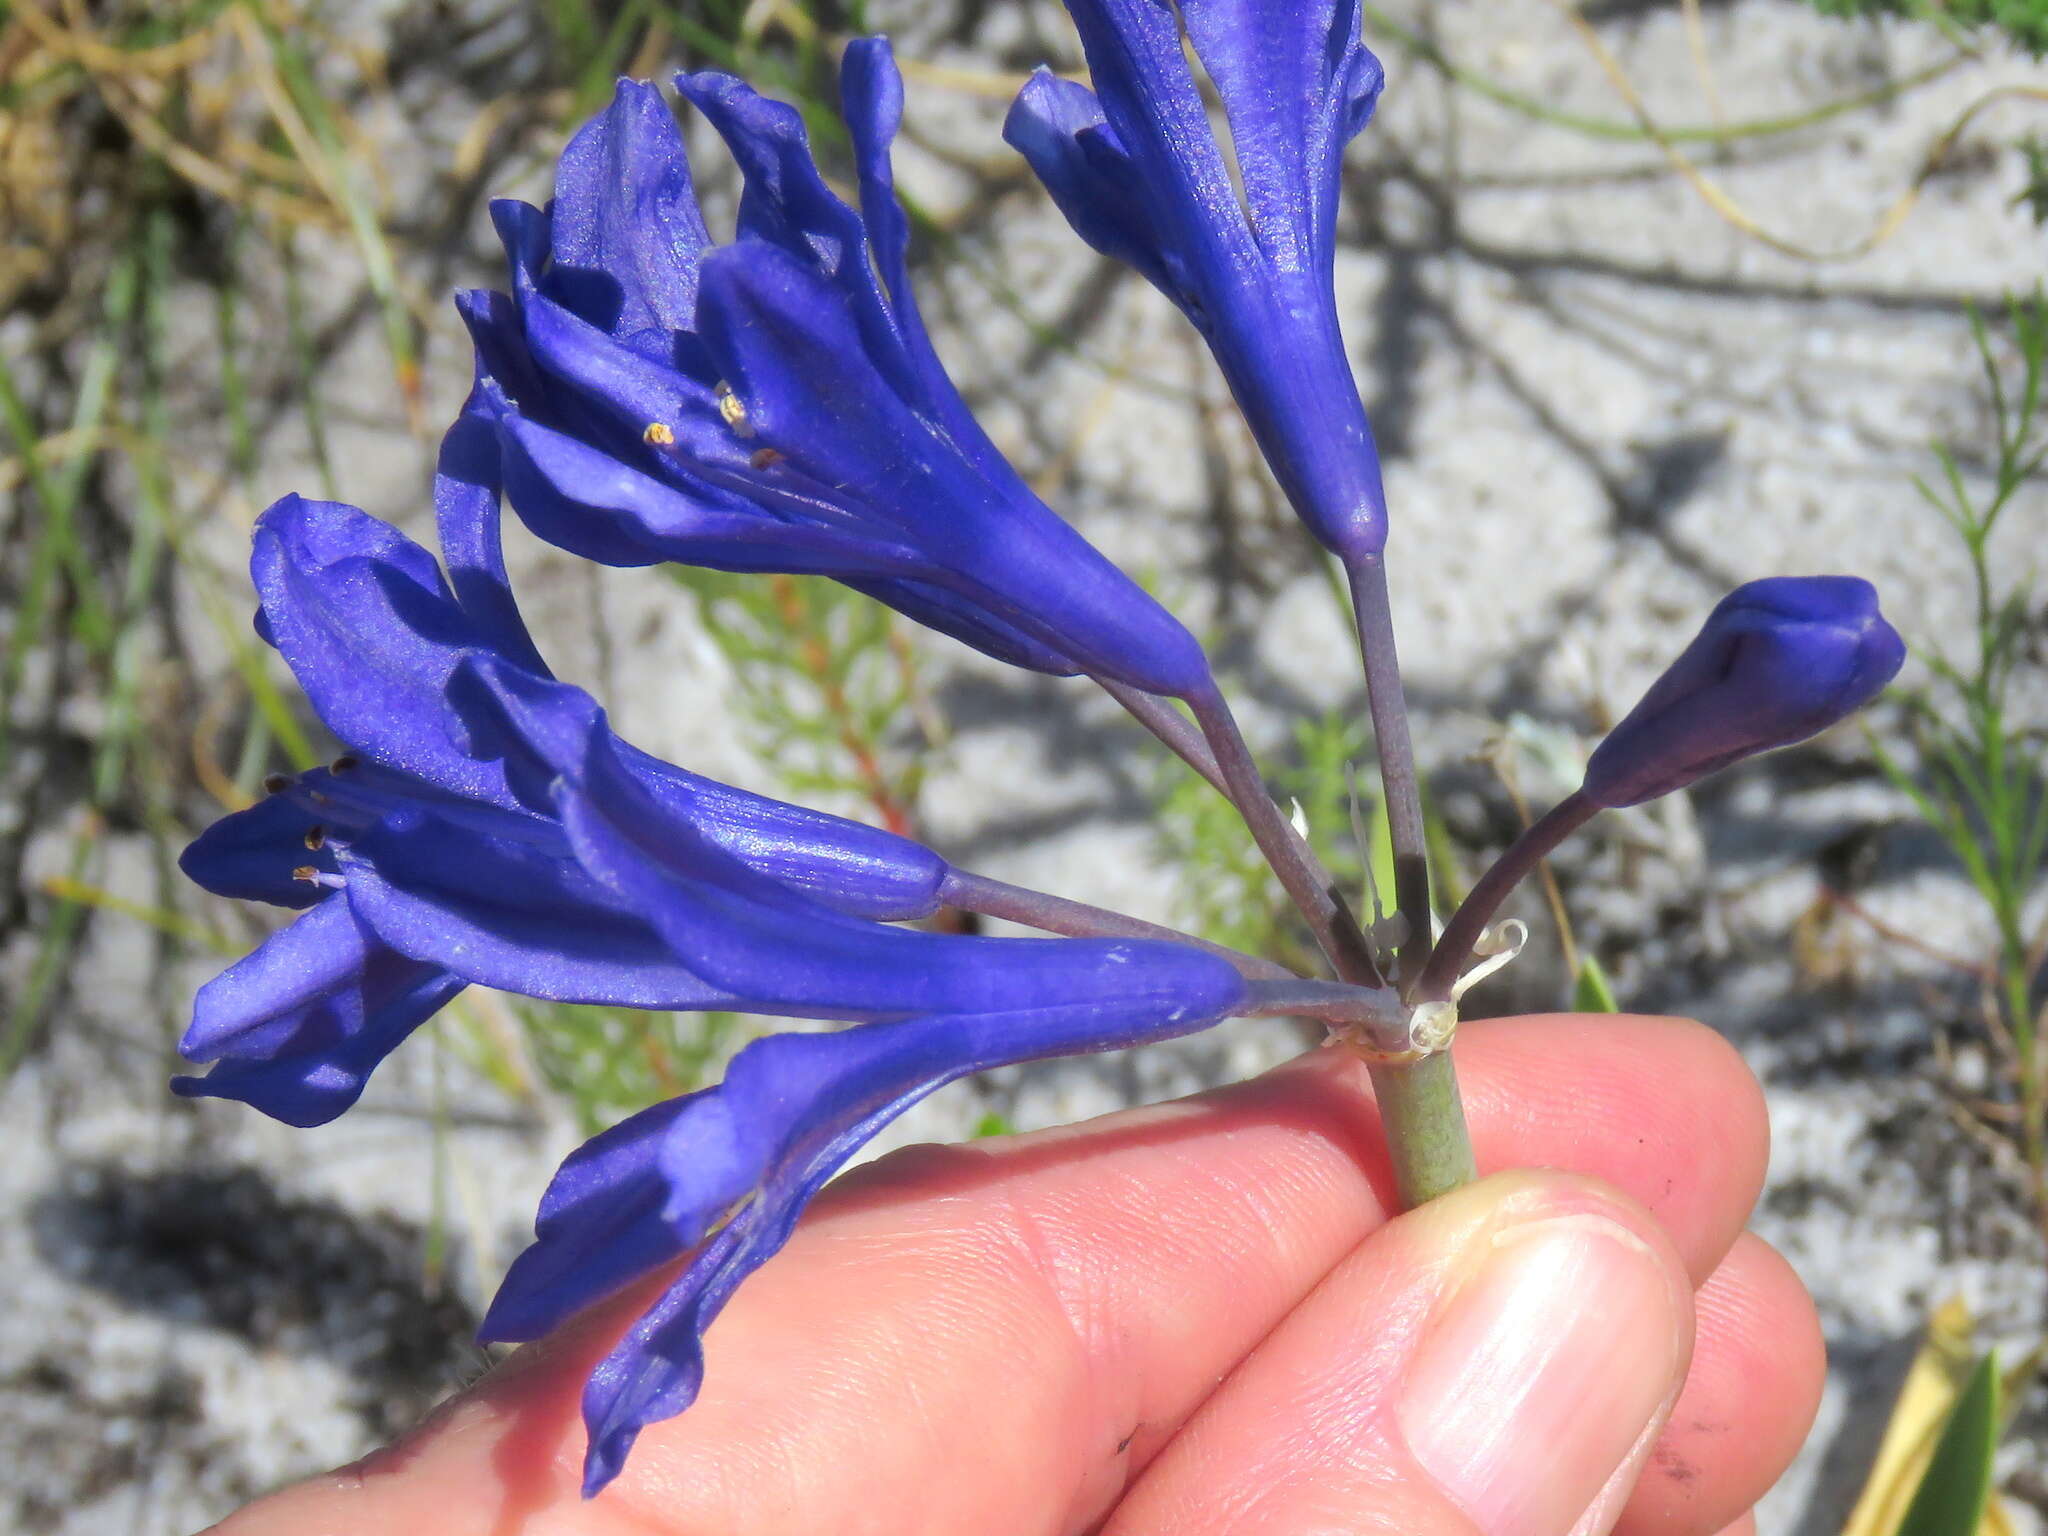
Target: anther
307, 873
734, 410
316, 838
275, 784
763, 457
659, 434
344, 764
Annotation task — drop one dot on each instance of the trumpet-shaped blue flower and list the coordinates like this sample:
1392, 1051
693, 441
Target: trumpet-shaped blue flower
723, 1175
1138, 172
774, 403
1777, 661
433, 854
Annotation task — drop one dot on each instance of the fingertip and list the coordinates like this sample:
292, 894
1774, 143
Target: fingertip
1748, 1404
1662, 1107
1419, 1386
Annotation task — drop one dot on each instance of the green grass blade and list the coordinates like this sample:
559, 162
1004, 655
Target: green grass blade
1951, 1497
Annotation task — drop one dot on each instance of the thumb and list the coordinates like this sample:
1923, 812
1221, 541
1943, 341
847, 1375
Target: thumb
1497, 1362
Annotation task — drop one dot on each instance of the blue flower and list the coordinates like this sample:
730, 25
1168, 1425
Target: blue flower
488, 827
431, 854
1137, 170
774, 403
723, 1174
1777, 661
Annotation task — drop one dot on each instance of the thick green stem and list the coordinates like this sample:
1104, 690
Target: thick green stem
1424, 1122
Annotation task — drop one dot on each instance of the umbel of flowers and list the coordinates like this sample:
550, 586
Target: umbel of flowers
771, 402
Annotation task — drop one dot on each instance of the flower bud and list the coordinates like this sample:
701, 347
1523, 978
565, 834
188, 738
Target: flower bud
1777, 661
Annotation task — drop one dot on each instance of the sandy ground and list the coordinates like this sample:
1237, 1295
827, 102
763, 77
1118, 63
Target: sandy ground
1601, 406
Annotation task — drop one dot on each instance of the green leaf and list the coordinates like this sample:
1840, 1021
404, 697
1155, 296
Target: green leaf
1951, 1498
1593, 993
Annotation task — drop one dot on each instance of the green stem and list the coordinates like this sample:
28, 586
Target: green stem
1424, 1122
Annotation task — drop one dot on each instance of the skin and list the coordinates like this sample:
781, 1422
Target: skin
1199, 1317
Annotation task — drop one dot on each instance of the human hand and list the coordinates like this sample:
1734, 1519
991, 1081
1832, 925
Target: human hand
1198, 1318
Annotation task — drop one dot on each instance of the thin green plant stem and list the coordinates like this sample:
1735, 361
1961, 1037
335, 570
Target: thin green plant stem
331, 164
299, 337
56, 494
1454, 949
1077, 919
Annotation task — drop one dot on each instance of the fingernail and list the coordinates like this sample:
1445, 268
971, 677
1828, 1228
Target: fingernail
1535, 1385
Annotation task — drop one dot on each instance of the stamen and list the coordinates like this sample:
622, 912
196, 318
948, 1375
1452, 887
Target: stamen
316, 838
763, 457
345, 763
734, 410
312, 876
307, 873
275, 784
659, 434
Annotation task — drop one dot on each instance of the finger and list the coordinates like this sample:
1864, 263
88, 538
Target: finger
1570, 1091
1745, 1525
1749, 1400
958, 1334
1497, 1362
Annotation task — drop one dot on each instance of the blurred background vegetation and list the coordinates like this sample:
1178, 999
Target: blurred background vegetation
201, 204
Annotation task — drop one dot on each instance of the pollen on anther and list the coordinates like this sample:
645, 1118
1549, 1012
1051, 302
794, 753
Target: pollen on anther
276, 784
659, 434
316, 838
307, 873
763, 457
734, 410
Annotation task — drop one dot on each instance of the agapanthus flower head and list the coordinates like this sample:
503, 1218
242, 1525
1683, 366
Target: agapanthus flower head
773, 403
488, 827
1777, 661
1139, 173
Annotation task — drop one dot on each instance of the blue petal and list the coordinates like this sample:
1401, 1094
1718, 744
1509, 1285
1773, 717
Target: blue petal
1139, 174
635, 391
511, 915
786, 954
626, 229
1059, 128
600, 1228
871, 101
296, 1028
468, 481
309, 959
784, 202
372, 633
753, 1151
592, 504
1297, 85
968, 622
250, 854
548, 728
809, 391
